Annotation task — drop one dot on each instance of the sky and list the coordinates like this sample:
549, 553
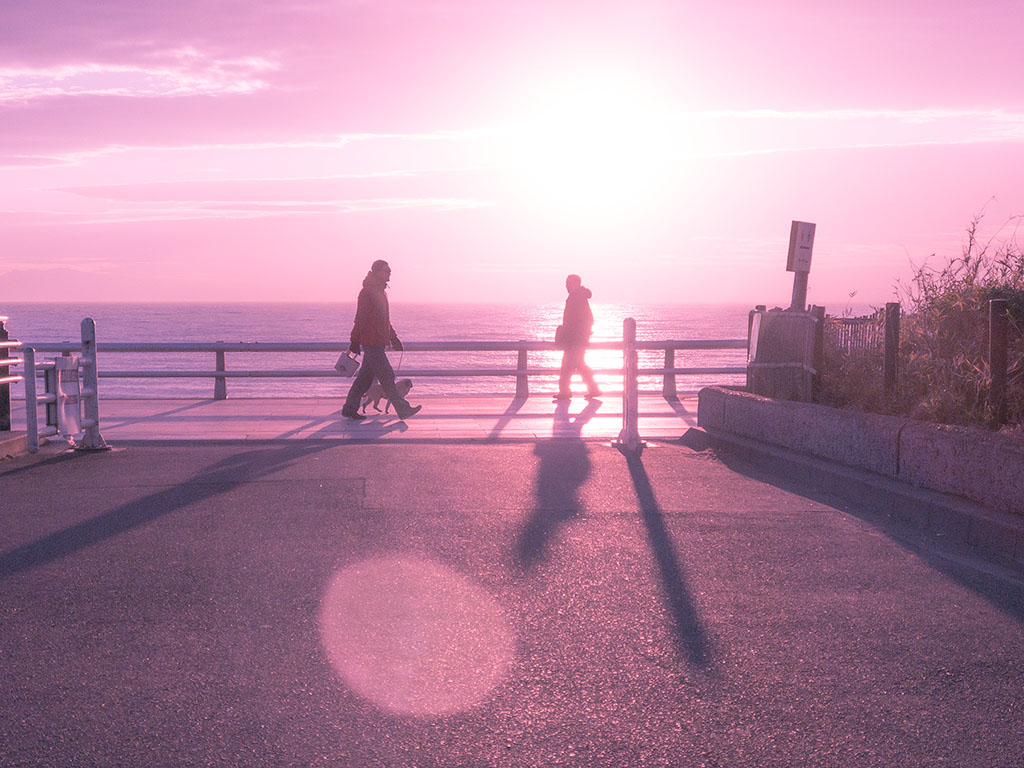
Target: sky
270, 151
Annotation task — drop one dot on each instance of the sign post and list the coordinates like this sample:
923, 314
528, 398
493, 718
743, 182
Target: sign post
801, 243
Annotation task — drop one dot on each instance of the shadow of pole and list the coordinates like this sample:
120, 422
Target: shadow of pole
689, 631
506, 417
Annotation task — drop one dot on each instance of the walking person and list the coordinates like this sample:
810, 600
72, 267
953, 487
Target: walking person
577, 325
371, 332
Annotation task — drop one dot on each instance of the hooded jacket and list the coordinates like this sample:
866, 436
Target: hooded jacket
577, 317
372, 326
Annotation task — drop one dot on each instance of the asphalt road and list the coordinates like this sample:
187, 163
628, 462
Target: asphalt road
302, 603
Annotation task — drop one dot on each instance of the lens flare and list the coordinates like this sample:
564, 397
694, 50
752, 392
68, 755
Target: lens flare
414, 637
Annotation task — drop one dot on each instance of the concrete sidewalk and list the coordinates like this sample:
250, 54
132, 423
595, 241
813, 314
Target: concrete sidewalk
551, 603
478, 418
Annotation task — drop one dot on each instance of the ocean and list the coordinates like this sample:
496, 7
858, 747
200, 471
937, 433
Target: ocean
39, 323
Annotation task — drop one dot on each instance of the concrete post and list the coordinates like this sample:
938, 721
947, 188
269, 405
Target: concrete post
92, 440
668, 384
818, 353
5, 373
31, 401
750, 330
220, 387
997, 360
522, 380
892, 347
629, 438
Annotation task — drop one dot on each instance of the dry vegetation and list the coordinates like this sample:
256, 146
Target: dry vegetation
943, 366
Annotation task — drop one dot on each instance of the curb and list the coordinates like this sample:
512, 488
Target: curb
949, 522
13, 444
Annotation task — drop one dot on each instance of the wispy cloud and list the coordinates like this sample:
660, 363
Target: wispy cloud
183, 72
760, 131
219, 210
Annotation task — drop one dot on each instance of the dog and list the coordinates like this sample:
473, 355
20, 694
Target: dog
376, 393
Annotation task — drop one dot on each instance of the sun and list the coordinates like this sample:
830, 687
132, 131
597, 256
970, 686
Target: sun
589, 144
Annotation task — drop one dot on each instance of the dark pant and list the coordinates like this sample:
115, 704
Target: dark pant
375, 366
572, 362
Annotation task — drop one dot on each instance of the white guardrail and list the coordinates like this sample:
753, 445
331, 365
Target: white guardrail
522, 371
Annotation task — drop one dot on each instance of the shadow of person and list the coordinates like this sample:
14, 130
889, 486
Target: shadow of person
563, 467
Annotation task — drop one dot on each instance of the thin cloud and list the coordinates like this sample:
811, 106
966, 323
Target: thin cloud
218, 210
187, 72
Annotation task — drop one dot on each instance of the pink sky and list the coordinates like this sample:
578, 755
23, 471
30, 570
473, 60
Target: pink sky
252, 151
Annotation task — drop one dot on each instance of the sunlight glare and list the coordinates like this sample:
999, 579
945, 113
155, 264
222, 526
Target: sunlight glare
602, 143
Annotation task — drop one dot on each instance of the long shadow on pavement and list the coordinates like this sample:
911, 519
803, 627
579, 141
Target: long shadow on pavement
1007, 597
218, 478
506, 417
564, 467
689, 629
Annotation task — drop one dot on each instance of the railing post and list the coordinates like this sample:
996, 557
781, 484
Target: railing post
892, 347
629, 438
668, 384
522, 380
997, 360
92, 440
5, 387
220, 387
31, 401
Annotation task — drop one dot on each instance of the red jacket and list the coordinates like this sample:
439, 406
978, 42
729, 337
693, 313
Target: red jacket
372, 326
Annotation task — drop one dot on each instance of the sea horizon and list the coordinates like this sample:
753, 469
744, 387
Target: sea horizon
199, 322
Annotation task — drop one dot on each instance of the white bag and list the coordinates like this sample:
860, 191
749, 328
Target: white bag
346, 365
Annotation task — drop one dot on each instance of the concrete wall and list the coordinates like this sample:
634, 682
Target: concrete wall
981, 466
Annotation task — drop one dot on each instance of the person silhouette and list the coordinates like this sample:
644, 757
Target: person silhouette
577, 325
371, 333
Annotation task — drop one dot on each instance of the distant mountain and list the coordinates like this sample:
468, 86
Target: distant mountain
57, 284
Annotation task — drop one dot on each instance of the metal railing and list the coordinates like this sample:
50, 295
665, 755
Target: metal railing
522, 371
57, 399
6, 377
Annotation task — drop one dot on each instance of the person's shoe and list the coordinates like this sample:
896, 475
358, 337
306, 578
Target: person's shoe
561, 396
409, 410
594, 393
352, 413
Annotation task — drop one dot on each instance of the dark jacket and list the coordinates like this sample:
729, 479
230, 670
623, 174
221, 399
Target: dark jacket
372, 326
577, 318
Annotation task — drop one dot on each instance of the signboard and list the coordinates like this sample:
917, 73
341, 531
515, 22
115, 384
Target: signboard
801, 241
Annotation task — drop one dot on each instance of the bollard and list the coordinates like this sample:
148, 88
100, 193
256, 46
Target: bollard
92, 440
997, 360
629, 438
